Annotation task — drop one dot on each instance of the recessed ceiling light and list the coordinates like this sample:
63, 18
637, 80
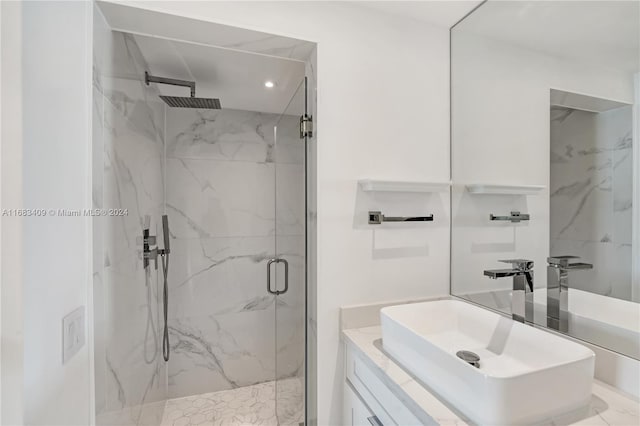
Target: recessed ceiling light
269, 84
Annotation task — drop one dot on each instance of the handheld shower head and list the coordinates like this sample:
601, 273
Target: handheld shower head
165, 233
180, 101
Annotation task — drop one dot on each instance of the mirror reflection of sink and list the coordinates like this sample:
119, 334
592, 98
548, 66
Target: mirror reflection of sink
614, 324
521, 375
605, 321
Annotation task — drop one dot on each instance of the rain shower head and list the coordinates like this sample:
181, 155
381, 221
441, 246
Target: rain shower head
179, 101
191, 102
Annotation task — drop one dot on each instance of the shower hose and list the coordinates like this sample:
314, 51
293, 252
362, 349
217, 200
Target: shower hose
166, 350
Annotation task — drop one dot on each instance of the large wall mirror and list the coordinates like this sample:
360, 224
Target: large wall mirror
545, 165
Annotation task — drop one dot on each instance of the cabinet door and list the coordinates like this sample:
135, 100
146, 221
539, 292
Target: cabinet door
356, 413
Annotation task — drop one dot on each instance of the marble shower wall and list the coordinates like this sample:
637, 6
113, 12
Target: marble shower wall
128, 151
591, 196
227, 182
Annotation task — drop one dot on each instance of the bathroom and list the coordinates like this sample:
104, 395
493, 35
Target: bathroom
243, 263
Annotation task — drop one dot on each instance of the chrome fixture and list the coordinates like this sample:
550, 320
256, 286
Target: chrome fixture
522, 294
306, 126
148, 254
469, 357
376, 218
373, 421
514, 217
286, 276
558, 290
179, 101
166, 349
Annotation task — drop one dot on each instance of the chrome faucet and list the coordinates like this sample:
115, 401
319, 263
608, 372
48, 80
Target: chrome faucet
558, 290
522, 295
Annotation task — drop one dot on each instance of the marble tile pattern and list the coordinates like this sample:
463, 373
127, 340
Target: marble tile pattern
233, 135
272, 45
254, 405
591, 195
235, 198
607, 407
128, 150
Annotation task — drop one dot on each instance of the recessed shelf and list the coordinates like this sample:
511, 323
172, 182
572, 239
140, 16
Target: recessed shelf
482, 188
402, 186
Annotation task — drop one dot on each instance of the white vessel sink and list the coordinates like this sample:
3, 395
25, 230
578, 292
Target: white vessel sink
525, 375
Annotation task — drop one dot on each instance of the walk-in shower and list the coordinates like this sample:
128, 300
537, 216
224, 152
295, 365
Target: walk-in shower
223, 193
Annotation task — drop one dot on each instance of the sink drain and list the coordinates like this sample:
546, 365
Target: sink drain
469, 357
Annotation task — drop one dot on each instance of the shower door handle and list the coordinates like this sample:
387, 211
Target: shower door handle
286, 276
269, 274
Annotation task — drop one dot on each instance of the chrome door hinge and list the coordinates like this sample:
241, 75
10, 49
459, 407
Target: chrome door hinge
306, 126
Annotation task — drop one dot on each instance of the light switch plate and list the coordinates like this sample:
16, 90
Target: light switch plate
73, 334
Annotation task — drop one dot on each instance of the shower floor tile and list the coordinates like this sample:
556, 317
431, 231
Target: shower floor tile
249, 405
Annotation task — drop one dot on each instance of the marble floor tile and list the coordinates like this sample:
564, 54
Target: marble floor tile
249, 405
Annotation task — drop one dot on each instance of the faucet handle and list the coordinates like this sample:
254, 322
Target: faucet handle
563, 262
519, 264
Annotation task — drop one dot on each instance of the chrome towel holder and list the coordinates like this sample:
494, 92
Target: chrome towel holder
514, 217
377, 218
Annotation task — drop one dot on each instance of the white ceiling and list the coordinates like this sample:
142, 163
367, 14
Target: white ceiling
236, 78
606, 32
603, 31
442, 13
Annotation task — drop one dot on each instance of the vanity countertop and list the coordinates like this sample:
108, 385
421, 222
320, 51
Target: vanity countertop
608, 407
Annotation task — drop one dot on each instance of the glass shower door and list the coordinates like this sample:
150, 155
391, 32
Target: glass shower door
290, 244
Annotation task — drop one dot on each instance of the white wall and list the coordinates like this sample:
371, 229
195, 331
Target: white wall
56, 72
382, 113
11, 231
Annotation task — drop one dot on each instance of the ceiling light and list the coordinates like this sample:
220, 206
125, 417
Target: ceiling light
269, 84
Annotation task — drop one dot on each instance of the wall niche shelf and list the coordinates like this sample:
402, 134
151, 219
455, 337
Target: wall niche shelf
494, 189
370, 185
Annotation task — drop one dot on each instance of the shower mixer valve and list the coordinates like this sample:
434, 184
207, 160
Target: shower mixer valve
149, 240
149, 253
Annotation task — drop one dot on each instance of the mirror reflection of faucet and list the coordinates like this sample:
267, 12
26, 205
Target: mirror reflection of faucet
522, 296
558, 289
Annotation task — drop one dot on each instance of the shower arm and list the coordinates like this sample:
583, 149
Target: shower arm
148, 78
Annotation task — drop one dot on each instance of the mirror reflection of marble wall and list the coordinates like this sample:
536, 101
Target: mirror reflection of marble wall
509, 128
591, 195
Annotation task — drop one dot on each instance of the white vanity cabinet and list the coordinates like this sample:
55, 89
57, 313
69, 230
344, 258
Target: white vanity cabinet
368, 401
378, 391
356, 412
